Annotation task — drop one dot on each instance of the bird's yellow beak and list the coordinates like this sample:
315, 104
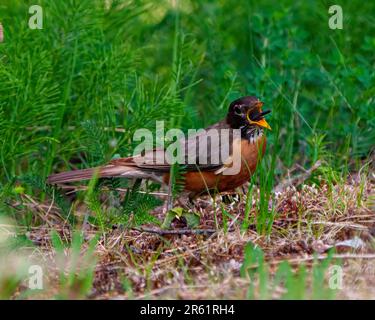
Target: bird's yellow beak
262, 122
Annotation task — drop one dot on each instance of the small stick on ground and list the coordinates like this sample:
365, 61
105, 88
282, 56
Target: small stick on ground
175, 231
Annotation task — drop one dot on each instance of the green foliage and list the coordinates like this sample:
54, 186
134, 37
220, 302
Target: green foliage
265, 211
76, 270
13, 263
129, 65
139, 204
192, 218
94, 68
301, 283
94, 142
38, 184
177, 179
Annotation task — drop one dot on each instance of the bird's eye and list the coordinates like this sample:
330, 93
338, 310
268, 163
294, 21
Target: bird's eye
237, 110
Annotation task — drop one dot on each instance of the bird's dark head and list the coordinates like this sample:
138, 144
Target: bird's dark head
247, 112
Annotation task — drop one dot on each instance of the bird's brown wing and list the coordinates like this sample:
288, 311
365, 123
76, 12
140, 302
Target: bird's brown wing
203, 150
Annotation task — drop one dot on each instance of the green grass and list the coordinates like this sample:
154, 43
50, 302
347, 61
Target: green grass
131, 65
296, 284
93, 68
75, 279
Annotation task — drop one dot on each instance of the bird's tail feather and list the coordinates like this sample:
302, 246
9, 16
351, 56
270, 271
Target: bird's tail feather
101, 172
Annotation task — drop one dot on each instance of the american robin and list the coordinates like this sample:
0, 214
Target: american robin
245, 117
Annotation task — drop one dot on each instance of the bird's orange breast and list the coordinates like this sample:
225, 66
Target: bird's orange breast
201, 181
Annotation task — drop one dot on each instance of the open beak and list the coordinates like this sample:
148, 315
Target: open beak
261, 122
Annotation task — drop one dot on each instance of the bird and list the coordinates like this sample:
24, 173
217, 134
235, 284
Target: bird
244, 123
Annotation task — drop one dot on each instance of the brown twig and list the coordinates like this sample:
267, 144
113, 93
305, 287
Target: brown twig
163, 232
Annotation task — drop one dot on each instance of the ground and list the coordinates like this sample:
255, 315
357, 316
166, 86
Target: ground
206, 262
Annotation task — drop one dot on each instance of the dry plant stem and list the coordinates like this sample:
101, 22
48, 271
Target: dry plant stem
298, 179
175, 232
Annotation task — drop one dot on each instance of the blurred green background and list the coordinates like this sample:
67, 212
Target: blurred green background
97, 65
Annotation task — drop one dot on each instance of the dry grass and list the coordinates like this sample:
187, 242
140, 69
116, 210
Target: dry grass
131, 263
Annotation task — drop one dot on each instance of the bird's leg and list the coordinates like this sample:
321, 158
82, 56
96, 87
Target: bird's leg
169, 203
186, 200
